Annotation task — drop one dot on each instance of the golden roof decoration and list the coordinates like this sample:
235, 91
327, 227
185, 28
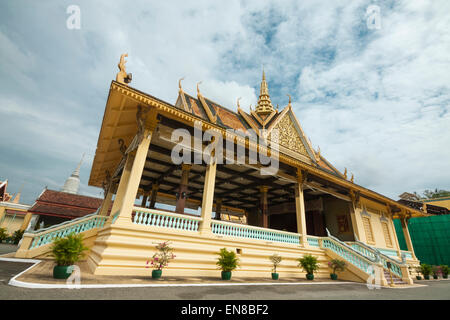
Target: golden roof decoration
264, 105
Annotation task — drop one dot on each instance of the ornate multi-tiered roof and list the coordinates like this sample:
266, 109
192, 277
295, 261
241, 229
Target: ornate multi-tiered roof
264, 106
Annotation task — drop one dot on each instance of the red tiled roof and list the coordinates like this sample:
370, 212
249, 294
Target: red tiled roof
11, 211
57, 203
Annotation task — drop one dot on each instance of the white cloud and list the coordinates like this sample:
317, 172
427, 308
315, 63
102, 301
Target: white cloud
375, 101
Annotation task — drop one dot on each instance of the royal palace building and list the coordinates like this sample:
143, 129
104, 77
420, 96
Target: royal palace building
204, 177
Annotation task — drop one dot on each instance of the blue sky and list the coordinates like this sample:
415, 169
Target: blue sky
375, 100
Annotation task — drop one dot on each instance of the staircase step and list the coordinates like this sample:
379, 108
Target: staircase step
396, 279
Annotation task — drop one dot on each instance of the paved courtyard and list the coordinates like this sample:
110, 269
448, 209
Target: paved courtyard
431, 290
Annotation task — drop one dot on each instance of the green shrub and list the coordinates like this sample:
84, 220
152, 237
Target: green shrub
3, 234
68, 250
444, 270
227, 260
276, 260
425, 269
17, 236
308, 263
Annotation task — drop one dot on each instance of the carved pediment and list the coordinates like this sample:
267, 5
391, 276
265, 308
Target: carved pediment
288, 135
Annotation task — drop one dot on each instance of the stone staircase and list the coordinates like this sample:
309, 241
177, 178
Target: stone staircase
395, 278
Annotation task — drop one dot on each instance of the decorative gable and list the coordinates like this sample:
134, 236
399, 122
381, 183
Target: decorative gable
290, 137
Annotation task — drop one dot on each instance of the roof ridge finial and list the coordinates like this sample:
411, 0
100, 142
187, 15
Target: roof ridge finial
290, 100
179, 84
198, 89
238, 105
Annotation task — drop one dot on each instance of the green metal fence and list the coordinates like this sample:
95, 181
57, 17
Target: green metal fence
430, 237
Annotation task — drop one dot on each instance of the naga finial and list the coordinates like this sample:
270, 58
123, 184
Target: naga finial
198, 89
238, 105
352, 178
289, 99
345, 173
179, 84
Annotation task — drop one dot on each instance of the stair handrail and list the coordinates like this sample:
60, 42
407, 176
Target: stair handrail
342, 243
380, 254
56, 226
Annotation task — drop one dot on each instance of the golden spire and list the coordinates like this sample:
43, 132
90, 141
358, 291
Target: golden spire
264, 104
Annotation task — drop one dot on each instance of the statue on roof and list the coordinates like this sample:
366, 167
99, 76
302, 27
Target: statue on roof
122, 76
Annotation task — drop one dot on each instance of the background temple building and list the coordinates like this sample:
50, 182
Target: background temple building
53, 207
13, 214
306, 206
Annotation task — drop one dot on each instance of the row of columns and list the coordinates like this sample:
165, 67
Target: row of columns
131, 176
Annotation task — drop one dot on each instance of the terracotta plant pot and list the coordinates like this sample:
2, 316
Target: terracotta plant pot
310, 276
62, 272
156, 274
333, 276
226, 275
274, 276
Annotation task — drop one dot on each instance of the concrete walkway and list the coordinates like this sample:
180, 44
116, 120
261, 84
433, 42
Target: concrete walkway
210, 289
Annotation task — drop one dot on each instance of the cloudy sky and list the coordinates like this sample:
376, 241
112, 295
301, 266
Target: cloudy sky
376, 100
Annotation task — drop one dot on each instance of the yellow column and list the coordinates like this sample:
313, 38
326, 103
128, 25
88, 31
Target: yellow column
135, 168
394, 235
300, 210
106, 203
208, 197
357, 224
123, 183
407, 236
2, 214
26, 221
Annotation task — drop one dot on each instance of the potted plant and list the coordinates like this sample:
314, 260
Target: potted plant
276, 259
444, 270
336, 265
160, 259
3, 234
436, 271
425, 269
309, 264
66, 252
227, 262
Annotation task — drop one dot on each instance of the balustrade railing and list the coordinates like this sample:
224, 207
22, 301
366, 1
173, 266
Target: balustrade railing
313, 241
382, 255
150, 217
250, 232
348, 253
44, 236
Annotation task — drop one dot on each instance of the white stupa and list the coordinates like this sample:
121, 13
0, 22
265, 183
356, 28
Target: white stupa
73, 182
